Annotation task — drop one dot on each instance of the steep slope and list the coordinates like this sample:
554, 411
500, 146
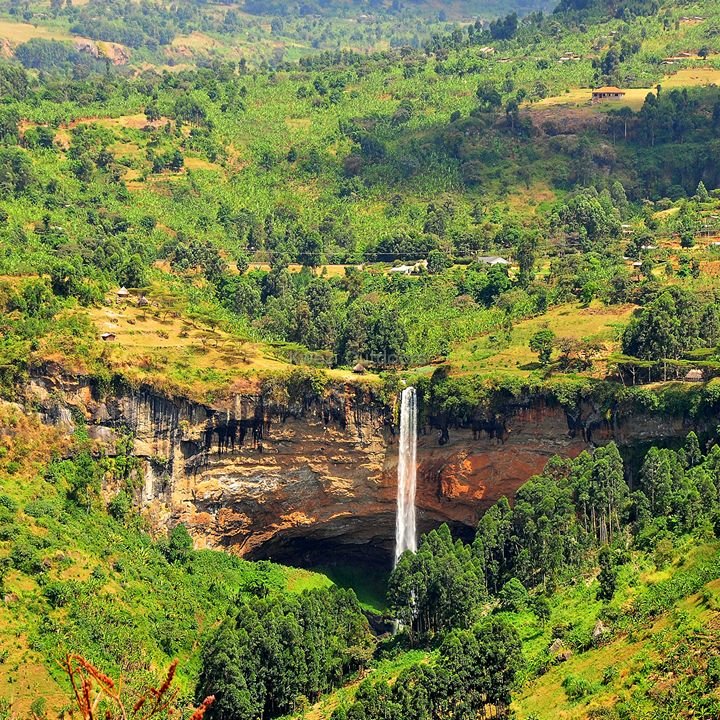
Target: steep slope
315, 469
74, 578
653, 652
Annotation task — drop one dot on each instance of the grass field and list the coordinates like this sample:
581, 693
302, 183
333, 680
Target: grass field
163, 345
634, 97
16, 33
323, 270
369, 585
487, 354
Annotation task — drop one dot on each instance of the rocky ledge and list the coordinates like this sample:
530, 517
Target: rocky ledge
262, 478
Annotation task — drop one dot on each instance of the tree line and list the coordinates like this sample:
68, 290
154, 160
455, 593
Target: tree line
278, 653
556, 525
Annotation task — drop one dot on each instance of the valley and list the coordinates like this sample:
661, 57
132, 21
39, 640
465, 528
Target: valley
233, 237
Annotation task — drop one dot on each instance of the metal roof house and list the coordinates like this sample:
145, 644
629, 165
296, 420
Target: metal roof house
492, 260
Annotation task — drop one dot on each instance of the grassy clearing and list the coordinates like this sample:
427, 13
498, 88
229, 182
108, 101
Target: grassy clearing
299, 580
159, 345
180, 348
634, 97
16, 33
488, 354
369, 584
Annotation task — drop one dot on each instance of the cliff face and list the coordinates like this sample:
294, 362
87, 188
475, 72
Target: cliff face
262, 478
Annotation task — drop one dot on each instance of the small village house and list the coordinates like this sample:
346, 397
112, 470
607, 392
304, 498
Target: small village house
410, 269
607, 93
492, 260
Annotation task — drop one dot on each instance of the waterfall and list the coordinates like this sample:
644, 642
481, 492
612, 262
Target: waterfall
405, 531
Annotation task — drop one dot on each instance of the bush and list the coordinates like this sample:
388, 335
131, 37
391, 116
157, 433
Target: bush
42, 508
561, 630
120, 506
610, 674
663, 552
38, 706
60, 592
179, 545
713, 670
580, 639
25, 556
7, 502
576, 688
513, 596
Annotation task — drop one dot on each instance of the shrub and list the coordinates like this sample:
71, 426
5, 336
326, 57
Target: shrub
576, 688
38, 706
7, 502
179, 545
26, 557
120, 506
42, 508
561, 630
580, 639
513, 596
60, 592
663, 552
713, 669
610, 674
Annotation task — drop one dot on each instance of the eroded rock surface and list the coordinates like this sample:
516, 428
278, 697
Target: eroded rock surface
254, 477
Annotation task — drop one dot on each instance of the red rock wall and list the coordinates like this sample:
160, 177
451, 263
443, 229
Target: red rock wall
252, 478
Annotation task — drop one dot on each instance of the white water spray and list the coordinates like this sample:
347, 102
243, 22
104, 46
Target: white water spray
405, 530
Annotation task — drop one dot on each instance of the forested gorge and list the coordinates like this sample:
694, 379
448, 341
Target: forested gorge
557, 520
577, 513
279, 654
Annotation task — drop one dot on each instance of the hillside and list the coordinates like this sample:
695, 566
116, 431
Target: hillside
256, 32
660, 665
77, 578
231, 235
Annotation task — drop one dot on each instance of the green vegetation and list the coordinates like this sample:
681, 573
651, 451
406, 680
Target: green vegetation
297, 194
415, 175
276, 655
255, 32
78, 578
577, 515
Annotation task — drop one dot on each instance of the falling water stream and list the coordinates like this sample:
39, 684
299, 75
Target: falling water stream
405, 530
